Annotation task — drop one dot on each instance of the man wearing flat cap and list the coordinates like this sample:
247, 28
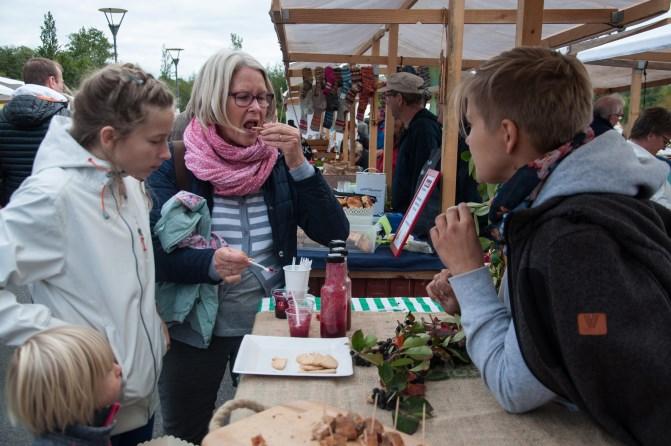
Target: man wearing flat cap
405, 94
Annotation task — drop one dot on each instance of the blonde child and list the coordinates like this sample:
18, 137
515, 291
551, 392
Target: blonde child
63, 385
584, 315
77, 231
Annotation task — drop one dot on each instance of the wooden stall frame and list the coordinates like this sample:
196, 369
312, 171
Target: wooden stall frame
528, 17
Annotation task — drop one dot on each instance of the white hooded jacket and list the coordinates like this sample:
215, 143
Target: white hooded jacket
84, 268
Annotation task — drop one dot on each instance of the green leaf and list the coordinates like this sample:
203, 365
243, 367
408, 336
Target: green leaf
459, 355
459, 336
400, 362
450, 318
386, 373
422, 366
436, 375
413, 405
416, 341
374, 358
417, 327
420, 353
407, 423
358, 341
370, 341
399, 381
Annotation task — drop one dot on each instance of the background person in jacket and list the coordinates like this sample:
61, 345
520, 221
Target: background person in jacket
406, 98
258, 188
585, 301
63, 385
77, 231
25, 119
651, 133
608, 110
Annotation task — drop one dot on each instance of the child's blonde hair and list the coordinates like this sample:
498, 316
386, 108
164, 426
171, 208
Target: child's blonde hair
546, 94
116, 95
54, 379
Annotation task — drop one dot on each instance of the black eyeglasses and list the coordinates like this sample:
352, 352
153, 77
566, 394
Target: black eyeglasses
244, 99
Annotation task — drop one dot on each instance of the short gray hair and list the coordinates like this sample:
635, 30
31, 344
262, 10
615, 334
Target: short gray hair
212, 85
612, 104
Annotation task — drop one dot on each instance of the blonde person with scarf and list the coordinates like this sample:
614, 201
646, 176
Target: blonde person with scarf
77, 231
259, 188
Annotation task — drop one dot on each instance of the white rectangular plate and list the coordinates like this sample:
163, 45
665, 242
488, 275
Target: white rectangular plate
256, 354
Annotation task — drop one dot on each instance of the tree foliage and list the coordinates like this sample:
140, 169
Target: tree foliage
279, 83
49, 47
12, 60
87, 50
236, 41
166, 64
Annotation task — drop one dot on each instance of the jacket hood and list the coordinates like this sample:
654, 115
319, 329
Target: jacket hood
605, 165
28, 111
59, 149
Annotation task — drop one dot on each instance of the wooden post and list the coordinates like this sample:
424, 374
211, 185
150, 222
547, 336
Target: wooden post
344, 154
352, 134
529, 22
372, 125
392, 54
451, 117
634, 99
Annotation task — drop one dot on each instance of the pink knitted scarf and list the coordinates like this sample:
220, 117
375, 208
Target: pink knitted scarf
232, 170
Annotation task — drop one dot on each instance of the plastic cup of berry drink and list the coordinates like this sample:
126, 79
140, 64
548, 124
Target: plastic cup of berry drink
299, 316
281, 302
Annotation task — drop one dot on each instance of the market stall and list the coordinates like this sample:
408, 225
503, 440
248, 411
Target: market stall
386, 34
442, 40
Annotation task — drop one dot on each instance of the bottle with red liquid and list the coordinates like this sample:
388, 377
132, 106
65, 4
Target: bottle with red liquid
333, 317
338, 246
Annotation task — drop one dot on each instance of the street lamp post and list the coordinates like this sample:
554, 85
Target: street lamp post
114, 27
174, 55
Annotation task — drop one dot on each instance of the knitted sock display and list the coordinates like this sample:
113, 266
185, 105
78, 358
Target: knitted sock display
424, 73
367, 91
318, 99
329, 80
346, 86
331, 107
306, 100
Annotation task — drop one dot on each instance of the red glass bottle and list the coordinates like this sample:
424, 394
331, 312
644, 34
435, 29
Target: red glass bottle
348, 282
333, 315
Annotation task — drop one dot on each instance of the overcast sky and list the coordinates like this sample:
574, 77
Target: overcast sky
200, 27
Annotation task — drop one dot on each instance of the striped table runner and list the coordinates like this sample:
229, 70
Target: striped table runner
377, 304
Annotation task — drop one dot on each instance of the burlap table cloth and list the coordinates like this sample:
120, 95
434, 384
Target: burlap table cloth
465, 413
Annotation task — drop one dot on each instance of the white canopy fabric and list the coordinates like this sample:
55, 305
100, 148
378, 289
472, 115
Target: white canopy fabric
11, 83
480, 41
657, 40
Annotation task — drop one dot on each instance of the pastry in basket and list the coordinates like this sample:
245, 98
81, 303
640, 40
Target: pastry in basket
354, 202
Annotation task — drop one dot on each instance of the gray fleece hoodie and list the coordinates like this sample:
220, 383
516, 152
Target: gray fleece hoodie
605, 165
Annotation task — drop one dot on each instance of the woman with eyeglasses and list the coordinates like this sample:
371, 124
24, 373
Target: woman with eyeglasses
258, 187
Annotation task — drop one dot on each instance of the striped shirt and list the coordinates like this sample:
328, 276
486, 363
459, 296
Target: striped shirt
242, 222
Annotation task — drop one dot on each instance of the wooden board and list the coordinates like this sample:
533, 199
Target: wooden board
286, 424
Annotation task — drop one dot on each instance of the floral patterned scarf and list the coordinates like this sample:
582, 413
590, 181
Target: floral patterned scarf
233, 171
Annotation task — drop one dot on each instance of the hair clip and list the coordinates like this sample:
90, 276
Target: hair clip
135, 79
